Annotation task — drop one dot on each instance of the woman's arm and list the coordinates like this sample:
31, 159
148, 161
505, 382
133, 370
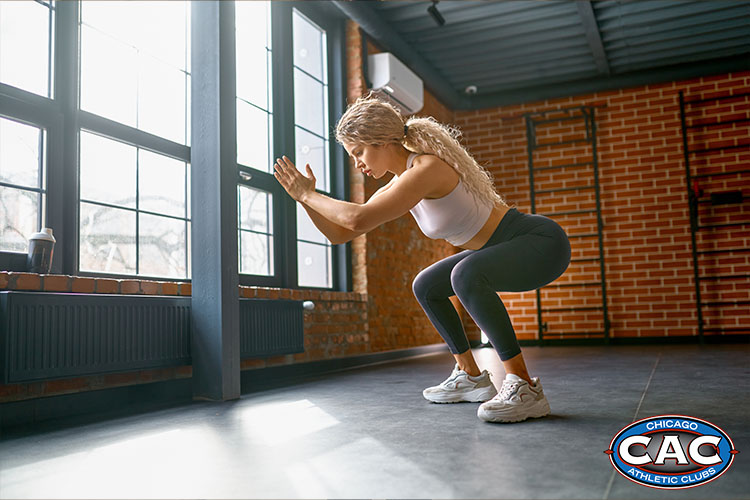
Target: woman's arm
335, 233
414, 185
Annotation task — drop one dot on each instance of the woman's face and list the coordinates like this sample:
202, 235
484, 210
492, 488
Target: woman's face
371, 160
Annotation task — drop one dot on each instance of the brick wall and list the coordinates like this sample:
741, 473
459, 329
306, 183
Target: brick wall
647, 248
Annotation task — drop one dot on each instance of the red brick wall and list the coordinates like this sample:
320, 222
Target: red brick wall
647, 248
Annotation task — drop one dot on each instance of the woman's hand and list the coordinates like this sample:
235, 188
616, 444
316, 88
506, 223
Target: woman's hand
296, 184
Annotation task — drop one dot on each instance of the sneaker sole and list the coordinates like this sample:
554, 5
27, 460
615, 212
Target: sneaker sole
541, 409
476, 396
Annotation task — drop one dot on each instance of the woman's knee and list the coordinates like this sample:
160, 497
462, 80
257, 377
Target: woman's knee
467, 276
422, 284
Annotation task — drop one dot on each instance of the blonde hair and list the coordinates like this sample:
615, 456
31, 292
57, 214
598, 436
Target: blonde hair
374, 122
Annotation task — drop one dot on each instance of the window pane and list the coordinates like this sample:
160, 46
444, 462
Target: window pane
109, 77
253, 137
314, 265
310, 103
107, 242
189, 256
253, 52
311, 144
19, 153
134, 62
256, 253
161, 184
188, 189
24, 46
18, 218
308, 47
161, 99
161, 246
108, 171
306, 230
252, 75
156, 28
252, 21
255, 209
313, 150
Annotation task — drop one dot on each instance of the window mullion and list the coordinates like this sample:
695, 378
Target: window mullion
62, 153
285, 225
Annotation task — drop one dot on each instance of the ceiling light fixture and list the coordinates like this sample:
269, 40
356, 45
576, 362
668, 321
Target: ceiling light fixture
432, 9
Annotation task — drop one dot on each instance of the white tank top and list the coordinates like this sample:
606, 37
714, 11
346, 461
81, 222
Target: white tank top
456, 217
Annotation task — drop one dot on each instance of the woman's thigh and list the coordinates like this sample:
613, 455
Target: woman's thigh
526, 262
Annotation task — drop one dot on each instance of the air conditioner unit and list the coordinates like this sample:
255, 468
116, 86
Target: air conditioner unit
393, 80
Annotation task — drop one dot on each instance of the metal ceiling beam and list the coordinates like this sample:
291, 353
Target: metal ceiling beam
390, 40
593, 35
664, 74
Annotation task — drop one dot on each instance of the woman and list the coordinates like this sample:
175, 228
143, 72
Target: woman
452, 198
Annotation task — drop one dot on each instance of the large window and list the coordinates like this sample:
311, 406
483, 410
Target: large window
254, 136
301, 87
314, 263
26, 30
95, 135
133, 199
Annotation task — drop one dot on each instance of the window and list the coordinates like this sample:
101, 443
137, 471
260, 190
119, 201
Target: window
95, 135
22, 183
133, 215
314, 257
254, 136
26, 30
133, 210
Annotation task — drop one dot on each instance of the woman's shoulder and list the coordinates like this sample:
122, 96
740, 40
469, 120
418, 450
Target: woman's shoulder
440, 174
432, 163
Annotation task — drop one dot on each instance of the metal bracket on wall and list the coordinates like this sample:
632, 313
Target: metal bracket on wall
715, 171
587, 114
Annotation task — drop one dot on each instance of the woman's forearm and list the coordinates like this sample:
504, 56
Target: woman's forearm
341, 213
336, 234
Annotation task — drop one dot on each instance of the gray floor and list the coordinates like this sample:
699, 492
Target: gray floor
367, 433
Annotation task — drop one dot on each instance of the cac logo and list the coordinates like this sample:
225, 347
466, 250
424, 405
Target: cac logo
671, 452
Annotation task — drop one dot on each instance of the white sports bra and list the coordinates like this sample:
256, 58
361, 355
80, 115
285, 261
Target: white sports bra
456, 217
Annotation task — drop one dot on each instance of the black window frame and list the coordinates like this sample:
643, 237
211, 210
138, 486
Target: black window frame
62, 120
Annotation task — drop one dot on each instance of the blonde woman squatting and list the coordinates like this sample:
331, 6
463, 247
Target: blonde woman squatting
451, 197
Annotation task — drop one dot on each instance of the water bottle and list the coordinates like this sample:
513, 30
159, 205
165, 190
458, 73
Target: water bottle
41, 247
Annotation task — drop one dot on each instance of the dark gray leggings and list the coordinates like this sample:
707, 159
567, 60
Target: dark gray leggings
526, 252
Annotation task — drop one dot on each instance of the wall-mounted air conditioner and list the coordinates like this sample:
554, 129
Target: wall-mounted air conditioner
394, 81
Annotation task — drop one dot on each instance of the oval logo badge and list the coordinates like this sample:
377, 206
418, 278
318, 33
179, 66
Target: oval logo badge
671, 452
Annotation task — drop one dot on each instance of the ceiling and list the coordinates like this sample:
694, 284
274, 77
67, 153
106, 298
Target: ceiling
518, 51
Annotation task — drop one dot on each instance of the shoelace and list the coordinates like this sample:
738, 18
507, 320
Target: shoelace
506, 390
450, 379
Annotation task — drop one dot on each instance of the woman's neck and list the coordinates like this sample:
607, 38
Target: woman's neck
400, 157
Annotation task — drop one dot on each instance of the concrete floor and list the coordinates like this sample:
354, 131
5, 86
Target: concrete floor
368, 433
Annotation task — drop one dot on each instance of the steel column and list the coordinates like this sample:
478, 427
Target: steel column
215, 273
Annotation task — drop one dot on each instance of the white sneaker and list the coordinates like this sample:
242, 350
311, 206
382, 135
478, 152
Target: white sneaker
517, 400
461, 387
